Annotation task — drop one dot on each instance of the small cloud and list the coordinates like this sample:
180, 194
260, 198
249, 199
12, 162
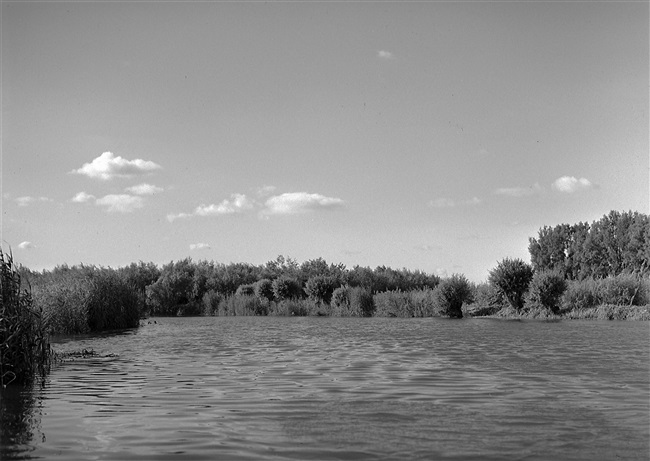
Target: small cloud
144, 189
442, 203
519, 191
383, 54
171, 217
120, 203
236, 204
265, 191
473, 201
199, 246
107, 166
300, 202
26, 200
26, 245
570, 184
82, 197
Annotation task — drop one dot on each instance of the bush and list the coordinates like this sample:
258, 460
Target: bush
24, 346
286, 288
512, 277
579, 295
264, 290
450, 295
352, 302
242, 305
112, 303
416, 303
545, 291
248, 290
487, 300
624, 290
320, 288
210, 302
292, 307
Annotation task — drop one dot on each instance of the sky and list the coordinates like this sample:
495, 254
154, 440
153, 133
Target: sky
437, 136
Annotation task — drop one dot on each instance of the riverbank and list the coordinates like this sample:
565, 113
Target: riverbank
602, 312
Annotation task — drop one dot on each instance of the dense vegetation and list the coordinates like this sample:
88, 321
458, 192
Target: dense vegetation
575, 270
24, 346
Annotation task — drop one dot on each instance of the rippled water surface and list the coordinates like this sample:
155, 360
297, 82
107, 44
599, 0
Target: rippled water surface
264, 388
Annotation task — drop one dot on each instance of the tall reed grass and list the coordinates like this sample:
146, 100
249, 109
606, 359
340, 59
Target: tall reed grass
24, 345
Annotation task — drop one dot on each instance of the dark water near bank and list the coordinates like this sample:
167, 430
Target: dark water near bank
341, 389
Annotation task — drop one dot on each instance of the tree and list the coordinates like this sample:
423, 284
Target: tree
512, 277
320, 288
451, 293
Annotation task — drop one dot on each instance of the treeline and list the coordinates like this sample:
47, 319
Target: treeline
618, 243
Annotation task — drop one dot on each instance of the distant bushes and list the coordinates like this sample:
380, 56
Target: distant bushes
87, 299
24, 346
545, 291
511, 277
416, 303
352, 302
451, 294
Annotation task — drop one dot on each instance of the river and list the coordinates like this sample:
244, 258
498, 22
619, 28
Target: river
278, 388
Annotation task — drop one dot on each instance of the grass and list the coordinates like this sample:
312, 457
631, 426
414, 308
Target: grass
24, 343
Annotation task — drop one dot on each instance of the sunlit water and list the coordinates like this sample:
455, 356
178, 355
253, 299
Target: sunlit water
261, 388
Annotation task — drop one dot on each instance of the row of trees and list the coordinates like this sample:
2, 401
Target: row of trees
618, 243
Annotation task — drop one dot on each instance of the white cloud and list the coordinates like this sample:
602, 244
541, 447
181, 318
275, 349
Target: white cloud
120, 203
383, 54
108, 166
570, 184
26, 200
236, 204
144, 189
199, 246
26, 245
265, 191
83, 197
300, 202
519, 191
171, 217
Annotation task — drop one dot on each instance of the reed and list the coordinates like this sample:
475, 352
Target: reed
24, 345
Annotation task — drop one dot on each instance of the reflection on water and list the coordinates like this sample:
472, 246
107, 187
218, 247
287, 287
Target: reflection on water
325, 388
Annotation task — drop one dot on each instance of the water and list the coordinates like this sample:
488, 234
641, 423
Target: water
264, 388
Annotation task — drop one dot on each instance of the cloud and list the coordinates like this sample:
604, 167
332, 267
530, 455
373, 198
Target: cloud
519, 191
199, 246
236, 204
107, 166
26, 200
300, 202
120, 203
570, 184
265, 191
144, 189
26, 245
383, 54
83, 197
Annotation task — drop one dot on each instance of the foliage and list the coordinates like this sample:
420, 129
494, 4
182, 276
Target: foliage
511, 277
210, 302
545, 291
450, 295
242, 305
248, 289
264, 290
286, 287
486, 300
622, 290
416, 303
352, 302
24, 346
292, 307
319, 288
617, 243
581, 294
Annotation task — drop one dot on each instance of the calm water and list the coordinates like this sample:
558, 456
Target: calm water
341, 389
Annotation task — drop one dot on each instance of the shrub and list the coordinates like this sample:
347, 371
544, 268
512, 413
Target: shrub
242, 305
450, 295
264, 290
416, 303
291, 307
352, 302
512, 277
624, 290
286, 288
211, 300
487, 300
24, 346
248, 290
320, 288
112, 303
583, 294
545, 291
